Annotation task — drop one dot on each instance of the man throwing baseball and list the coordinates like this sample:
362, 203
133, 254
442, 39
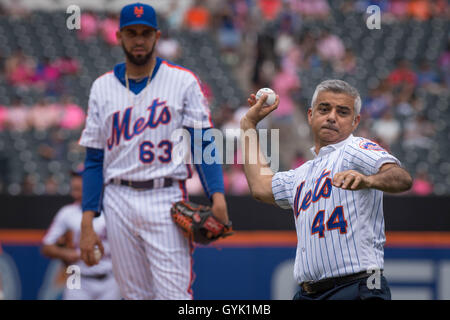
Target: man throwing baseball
336, 198
131, 176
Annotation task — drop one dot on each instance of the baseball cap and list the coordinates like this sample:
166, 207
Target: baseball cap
138, 13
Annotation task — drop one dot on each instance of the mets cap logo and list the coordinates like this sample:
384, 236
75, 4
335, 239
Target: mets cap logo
138, 11
370, 145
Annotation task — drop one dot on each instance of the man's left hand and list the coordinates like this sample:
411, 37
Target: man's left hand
351, 180
219, 207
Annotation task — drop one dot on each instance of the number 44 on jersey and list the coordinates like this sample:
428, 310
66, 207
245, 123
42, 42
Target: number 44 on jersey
335, 221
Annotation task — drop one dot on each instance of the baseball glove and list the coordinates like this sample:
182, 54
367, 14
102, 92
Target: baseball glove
198, 223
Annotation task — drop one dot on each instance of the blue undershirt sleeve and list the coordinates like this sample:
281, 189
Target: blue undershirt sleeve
211, 175
93, 181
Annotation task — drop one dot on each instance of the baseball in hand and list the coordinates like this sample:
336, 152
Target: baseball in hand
271, 96
97, 254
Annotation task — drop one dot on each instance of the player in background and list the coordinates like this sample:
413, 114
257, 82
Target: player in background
62, 242
131, 177
336, 198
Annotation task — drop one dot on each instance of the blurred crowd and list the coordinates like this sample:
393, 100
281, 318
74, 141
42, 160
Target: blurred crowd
25, 73
42, 116
393, 113
93, 26
266, 44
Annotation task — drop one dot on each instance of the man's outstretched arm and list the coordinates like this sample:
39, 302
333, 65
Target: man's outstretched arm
390, 178
256, 168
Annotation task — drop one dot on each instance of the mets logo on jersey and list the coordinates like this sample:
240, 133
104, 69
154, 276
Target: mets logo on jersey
158, 114
370, 145
138, 11
322, 189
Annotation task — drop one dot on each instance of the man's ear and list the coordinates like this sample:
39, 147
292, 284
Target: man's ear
119, 36
356, 121
309, 115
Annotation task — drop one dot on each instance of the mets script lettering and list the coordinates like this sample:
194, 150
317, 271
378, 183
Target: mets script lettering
159, 113
321, 190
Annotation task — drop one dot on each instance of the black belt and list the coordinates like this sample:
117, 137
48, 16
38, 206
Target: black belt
149, 184
313, 287
100, 276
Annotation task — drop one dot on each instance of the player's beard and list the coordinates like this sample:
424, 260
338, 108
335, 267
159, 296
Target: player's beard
139, 60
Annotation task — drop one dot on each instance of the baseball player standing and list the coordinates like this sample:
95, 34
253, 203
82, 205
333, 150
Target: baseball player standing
133, 111
97, 282
337, 198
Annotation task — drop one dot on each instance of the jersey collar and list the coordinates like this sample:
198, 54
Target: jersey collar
331, 147
135, 86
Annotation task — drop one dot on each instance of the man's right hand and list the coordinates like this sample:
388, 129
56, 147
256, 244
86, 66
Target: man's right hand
89, 239
257, 111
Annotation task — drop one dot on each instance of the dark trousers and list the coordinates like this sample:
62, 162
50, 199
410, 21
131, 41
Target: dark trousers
354, 290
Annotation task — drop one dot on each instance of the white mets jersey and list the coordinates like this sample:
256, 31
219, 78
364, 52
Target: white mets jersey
134, 130
339, 232
68, 218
